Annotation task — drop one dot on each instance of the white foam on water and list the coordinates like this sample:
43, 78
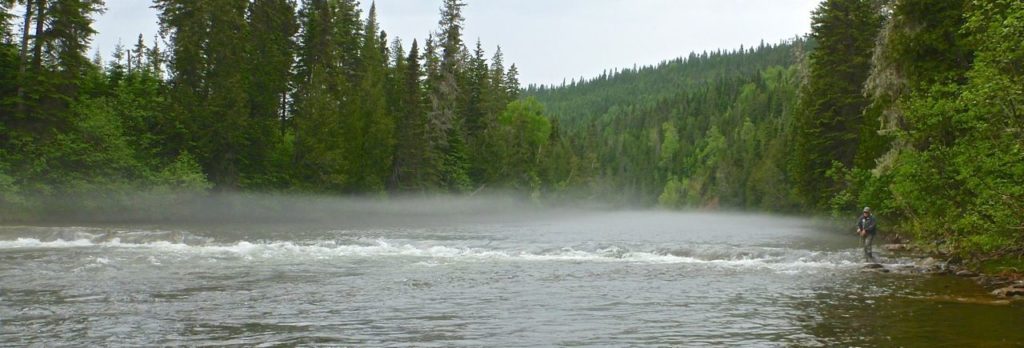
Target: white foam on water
30, 243
745, 257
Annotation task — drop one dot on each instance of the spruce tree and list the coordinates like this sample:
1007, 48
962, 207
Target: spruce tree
445, 132
830, 118
138, 55
9, 63
328, 132
210, 85
271, 55
409, 124
375, 124
225, 141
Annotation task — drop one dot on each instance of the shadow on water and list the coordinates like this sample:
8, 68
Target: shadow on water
894, 310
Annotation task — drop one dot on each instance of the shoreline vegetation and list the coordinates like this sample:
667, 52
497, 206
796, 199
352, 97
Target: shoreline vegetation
912, 107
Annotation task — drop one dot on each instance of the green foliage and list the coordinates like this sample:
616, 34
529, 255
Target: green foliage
10, 195
669, 146
528, 123
258, 96
830, 123
716, 122
957, 175
673, 194
182, 175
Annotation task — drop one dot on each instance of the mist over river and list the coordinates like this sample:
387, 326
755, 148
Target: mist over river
504, 278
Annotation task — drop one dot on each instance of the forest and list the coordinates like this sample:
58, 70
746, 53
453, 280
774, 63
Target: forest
912, 107
257, 96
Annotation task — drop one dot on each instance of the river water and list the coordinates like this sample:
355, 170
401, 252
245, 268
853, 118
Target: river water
581, 278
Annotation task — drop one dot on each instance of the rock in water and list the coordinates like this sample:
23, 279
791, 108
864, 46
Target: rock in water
873, 266
966, 273
896, 247
1014, 290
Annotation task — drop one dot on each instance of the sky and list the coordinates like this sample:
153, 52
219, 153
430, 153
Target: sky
552, 40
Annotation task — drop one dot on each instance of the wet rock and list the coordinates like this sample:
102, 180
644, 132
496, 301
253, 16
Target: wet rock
966, 273
970, 300
928, 261
896, 247
905, 269
874, 268
992, 282
1015, 290
934, 266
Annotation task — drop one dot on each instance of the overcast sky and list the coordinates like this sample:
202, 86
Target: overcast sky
549, 40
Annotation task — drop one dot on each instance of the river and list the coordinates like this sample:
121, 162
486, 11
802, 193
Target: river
577, 278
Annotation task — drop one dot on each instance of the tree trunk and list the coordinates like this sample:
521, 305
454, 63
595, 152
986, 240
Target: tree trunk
23, 59
37, 58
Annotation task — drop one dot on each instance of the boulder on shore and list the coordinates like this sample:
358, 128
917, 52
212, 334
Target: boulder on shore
896, 247
965, 273
1015, 290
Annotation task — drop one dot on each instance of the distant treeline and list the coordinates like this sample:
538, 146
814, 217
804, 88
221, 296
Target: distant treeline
264, 95
912, 107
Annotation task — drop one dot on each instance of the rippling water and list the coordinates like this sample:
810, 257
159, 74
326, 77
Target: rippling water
617, 279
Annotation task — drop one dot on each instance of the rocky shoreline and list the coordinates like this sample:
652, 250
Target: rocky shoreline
1005, 287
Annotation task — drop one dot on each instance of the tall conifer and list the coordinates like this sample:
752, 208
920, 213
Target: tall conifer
830, 112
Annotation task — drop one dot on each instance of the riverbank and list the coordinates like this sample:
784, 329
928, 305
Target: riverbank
999, 274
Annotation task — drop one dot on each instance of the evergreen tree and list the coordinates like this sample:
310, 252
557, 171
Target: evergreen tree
477, 85
445, 132
496, 96
512, 82
408, 170
320, 87
9, 65
273, 27
830, 115
376, 124
224, 138
137, 55
209, 85
9, 90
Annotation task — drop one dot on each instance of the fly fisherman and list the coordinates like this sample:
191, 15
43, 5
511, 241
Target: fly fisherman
866, 228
